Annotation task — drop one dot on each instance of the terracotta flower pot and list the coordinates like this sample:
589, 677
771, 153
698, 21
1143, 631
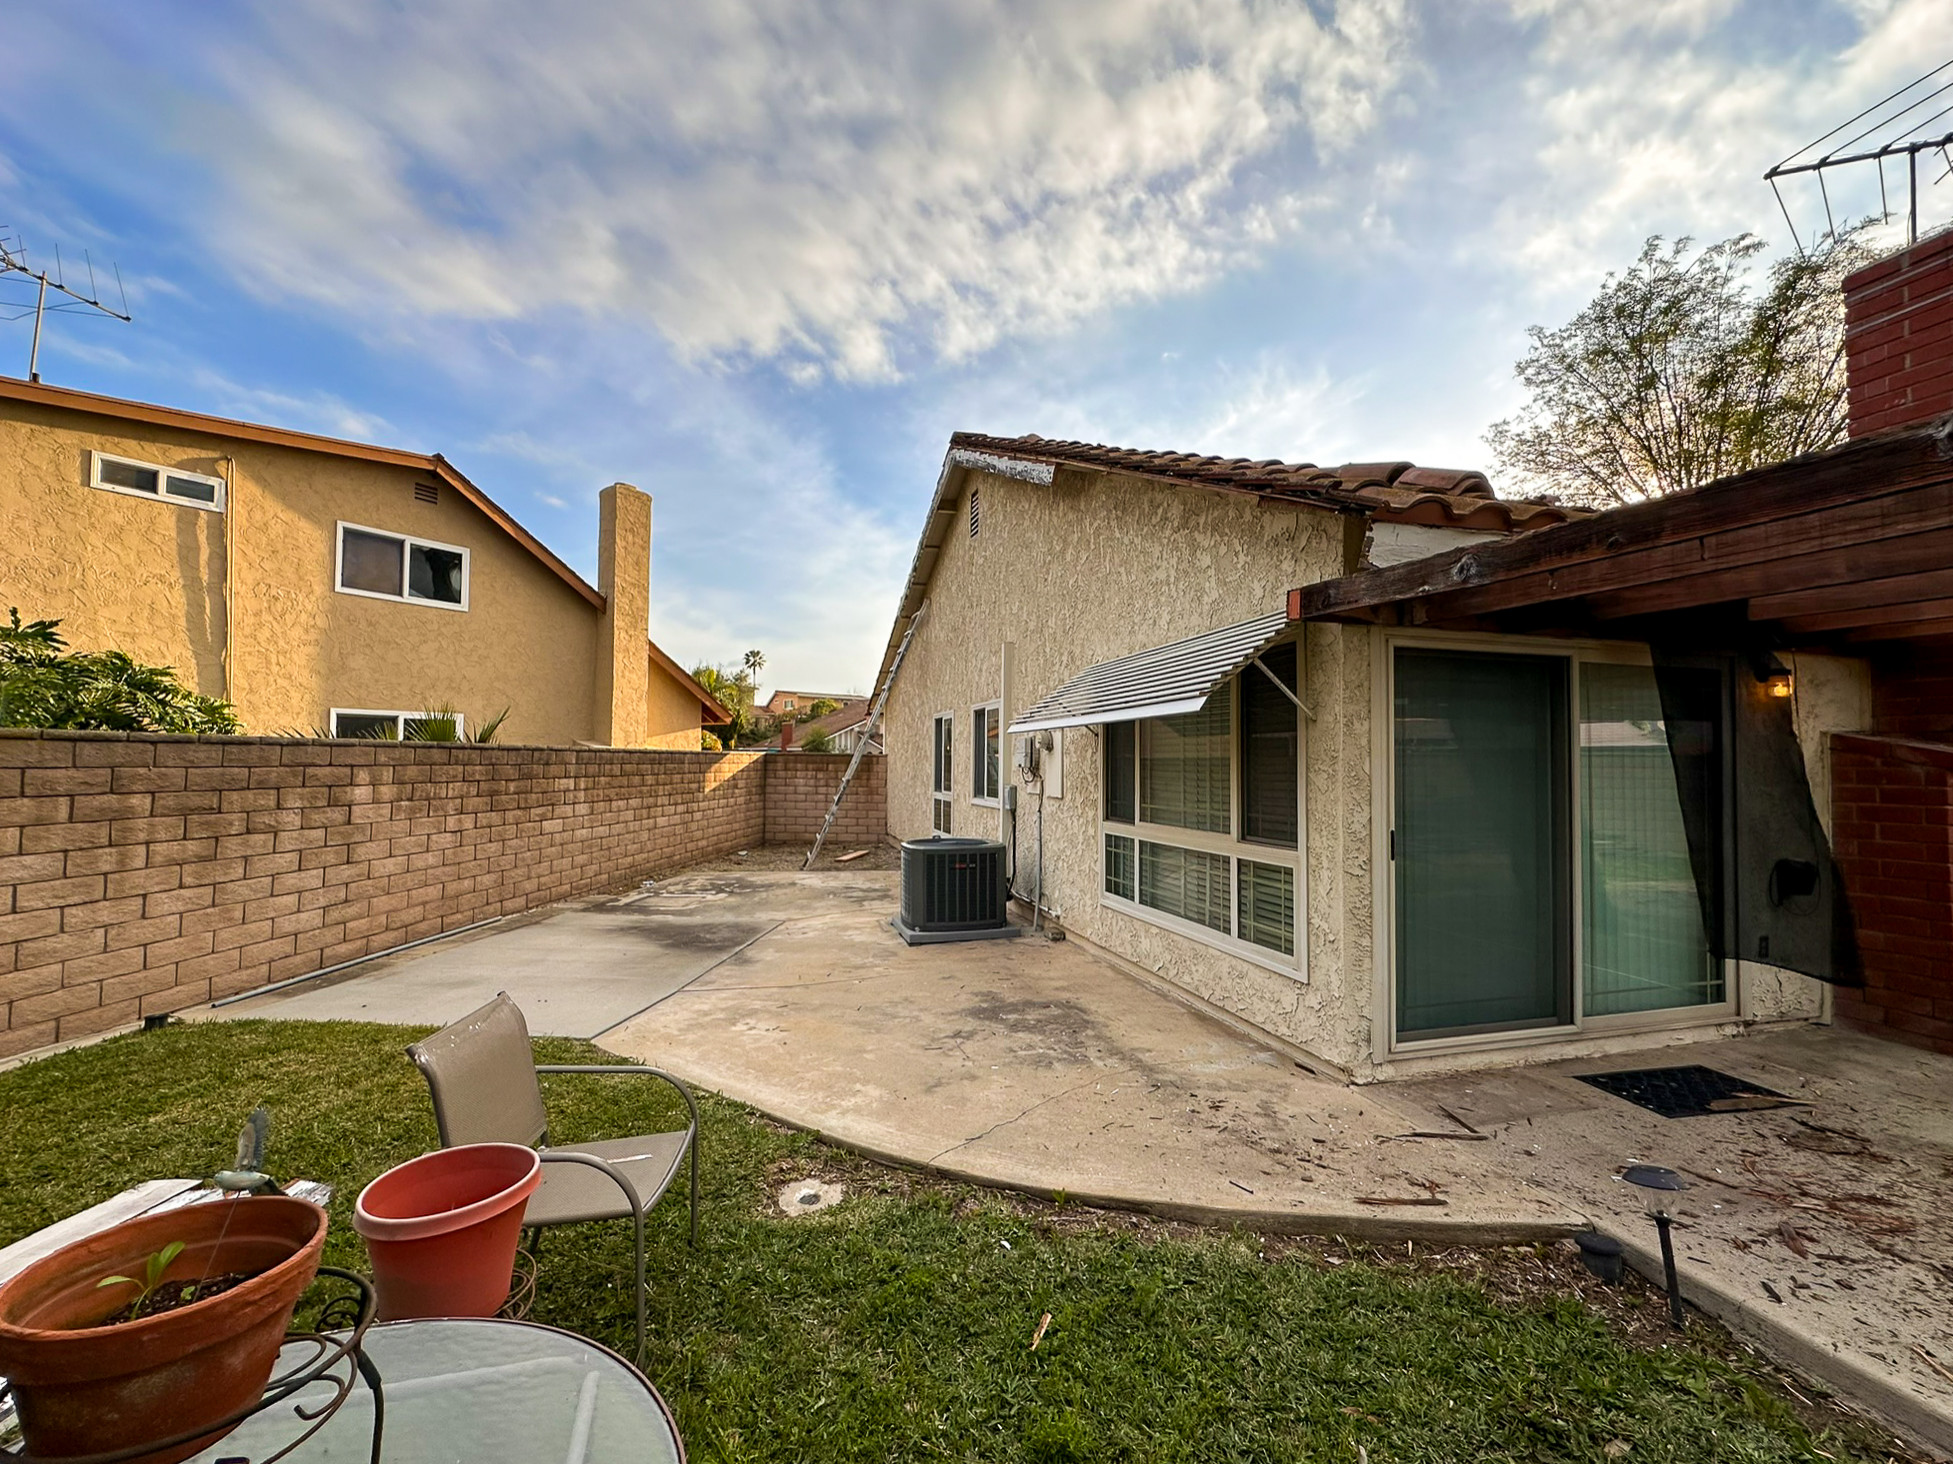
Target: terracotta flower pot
84, 1388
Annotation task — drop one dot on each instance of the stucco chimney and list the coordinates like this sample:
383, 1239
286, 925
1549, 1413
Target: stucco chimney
624, 631
1899, 337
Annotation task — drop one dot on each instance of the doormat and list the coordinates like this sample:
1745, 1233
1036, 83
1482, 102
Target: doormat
1688, 1092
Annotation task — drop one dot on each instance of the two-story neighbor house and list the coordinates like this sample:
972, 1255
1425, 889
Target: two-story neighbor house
1388, 849
319, 583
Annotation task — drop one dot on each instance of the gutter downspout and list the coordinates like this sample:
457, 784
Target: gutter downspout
230, 583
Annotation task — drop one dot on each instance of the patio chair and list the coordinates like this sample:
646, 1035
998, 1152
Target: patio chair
482, 1072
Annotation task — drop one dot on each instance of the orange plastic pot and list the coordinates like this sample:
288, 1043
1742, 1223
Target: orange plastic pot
442, 1229
83, 1388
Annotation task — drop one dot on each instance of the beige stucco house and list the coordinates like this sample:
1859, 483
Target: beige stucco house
318, 583
1219, 790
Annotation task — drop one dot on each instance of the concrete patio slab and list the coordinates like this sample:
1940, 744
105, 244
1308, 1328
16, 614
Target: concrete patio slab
575, 973
1032, 1065
1823, 1232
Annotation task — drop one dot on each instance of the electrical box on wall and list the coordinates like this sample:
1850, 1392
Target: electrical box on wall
1041, 761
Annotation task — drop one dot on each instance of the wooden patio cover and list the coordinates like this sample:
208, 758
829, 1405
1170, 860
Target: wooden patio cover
1836, 550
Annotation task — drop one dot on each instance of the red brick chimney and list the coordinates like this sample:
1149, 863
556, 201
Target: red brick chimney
786, 735
1899, 337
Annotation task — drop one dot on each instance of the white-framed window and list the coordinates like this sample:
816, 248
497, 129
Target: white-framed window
396, 726
153, 480
986, 732
388, 566
1201, 816
942, 743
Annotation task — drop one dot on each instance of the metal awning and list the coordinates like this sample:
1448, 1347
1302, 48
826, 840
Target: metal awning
1162, 682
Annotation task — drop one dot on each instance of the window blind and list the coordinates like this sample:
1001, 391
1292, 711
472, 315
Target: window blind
1185, 768
1270, 765
1185, 882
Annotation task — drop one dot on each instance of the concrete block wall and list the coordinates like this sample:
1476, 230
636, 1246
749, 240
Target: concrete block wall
141, 874
1892, 827
800, 786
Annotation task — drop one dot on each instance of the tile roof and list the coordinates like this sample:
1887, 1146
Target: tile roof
1393, 491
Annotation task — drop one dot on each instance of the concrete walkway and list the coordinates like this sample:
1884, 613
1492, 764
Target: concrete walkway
1029, 1064
1823, 1231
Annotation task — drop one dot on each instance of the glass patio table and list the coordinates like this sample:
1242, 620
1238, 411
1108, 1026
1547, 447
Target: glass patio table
478, 1391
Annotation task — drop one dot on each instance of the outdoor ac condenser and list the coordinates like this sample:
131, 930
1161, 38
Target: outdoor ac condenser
952, 889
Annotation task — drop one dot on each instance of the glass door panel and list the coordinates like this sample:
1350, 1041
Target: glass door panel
1643, 945
1483, 874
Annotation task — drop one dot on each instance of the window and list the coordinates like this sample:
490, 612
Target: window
1184, 768
149, 480
1270, 743
1202, 814
398, 726
984, 773
940, 735
395, 567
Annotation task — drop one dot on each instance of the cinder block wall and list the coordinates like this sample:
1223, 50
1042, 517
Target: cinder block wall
1892, 826
140, 874
800, 786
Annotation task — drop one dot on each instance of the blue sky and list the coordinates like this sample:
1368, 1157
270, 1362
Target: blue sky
761, 257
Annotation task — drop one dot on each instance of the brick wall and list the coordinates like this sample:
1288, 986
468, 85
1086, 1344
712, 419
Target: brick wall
799, 787
141, 874
1912, 691
1892, 826
1899, 337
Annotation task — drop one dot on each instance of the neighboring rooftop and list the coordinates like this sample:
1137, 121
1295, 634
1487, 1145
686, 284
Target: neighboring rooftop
852, 710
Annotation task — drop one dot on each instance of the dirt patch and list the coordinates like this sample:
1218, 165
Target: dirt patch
790, 856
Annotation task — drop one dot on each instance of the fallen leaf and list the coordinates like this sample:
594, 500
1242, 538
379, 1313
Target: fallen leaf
1614, 1448
1791, 1237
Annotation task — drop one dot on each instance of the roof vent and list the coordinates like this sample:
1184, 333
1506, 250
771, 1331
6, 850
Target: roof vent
976, 514
427, 492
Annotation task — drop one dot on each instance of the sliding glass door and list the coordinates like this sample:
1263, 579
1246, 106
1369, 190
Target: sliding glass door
1483, 904
1515, 775
1642, 944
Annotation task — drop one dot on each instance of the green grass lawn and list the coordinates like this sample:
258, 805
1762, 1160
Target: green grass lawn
897, 1325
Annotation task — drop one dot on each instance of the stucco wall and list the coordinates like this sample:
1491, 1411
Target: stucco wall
1069, 576
671, 716
148, 577
1056, 573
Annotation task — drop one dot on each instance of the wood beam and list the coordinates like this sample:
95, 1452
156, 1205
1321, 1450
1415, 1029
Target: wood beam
1888, 516
1914, 630
1870, 616
1875, 559
1901, 589
1876, 468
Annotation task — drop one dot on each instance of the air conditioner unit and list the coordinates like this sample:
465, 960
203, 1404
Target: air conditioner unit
952, 889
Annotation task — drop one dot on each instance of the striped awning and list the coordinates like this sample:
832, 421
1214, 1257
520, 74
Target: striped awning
1162, 682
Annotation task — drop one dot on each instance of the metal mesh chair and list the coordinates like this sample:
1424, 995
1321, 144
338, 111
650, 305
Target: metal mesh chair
482, 1072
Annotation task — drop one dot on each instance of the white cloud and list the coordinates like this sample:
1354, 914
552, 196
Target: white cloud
837, 186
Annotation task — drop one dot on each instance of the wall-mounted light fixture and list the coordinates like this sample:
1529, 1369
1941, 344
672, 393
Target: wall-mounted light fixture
1774, 677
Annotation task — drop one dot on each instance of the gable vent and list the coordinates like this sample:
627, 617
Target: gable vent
427, 492
976, 516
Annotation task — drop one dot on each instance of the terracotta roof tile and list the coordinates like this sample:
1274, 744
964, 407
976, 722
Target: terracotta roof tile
1398, 491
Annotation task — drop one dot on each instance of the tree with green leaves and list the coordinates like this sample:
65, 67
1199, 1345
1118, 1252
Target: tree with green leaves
1680, 372
44, 684
736, 691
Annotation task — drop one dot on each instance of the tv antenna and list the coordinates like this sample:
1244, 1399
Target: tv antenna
1913, 120
16, 270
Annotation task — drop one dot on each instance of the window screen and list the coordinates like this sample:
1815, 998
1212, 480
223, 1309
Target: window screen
983, 753
366, 724
1121, 771
115, 473
942, 755
1118, 865
1185, 882
369, 562
1269, 747
200, 490
1266, 895
1185, 768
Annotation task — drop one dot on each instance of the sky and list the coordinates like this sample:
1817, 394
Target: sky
761, 257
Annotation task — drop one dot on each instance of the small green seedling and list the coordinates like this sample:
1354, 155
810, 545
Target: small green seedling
152, 1276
